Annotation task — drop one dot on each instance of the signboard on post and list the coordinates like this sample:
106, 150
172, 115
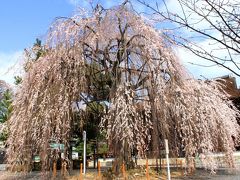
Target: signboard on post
61, 147
36, 159
57, 146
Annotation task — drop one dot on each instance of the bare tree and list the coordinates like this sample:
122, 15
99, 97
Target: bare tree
215, 21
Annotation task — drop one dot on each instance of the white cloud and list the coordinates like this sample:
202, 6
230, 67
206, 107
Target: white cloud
86, 4
10, 65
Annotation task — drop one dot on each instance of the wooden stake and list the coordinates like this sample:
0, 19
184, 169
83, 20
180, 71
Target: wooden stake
147, 172
62, 169
54, 170
123, 171
112, 166
192, 166
80, 175
181, 163
99, 169
177, 163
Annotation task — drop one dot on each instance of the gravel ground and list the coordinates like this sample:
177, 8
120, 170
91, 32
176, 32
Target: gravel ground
198, 175
222, 174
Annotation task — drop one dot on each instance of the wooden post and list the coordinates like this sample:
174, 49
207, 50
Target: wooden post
123, 171
80, 175
112, 166
176, 163
181, 163
54, 170
147, 172
25, 167
99, 169
192, 165
64, 169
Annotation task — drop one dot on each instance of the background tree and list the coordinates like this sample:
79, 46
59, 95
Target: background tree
5, 106
5, 113
3, 87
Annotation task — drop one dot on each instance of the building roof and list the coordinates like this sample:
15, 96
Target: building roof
229, 84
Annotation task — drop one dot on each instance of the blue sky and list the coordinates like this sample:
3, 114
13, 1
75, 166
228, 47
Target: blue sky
22, 21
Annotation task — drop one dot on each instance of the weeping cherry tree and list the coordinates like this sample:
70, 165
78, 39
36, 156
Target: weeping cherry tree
150, 98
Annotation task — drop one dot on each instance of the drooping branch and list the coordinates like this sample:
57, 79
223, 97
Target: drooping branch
216, 22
